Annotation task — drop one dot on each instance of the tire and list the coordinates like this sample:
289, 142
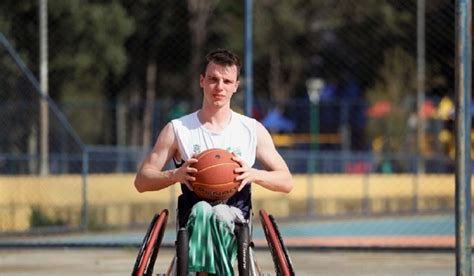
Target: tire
283, 246
277, 248
150, 246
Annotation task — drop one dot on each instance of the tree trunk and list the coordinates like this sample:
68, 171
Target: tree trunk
281, 85
134, 111
277, 87
199, 11
149, 105
109, 124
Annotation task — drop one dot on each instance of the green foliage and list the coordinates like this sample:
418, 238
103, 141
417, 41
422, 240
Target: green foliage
94, 224
396, 77
17, 26
396, 84
39, 218
86, 45
100, 50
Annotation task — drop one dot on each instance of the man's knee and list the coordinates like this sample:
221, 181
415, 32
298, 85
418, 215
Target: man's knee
202, 207
221, 212
228, 215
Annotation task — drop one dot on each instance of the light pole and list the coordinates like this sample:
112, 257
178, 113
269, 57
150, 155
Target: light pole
248, 57
420, 76
314, 87
44, 121
463, 173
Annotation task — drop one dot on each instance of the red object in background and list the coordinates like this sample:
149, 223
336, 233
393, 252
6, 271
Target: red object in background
380, 109
428, 109
358, 167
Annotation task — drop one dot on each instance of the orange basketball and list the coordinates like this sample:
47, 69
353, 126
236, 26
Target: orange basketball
215, 178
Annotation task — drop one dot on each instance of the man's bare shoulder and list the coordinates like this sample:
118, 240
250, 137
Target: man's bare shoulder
166, 138
262, 131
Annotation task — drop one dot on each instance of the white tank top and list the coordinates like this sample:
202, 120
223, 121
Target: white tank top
239, 136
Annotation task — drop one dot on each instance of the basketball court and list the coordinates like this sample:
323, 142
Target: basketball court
119, 261
343, 247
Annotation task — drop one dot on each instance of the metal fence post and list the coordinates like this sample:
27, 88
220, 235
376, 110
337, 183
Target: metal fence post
84, 176
463, 138
248, 58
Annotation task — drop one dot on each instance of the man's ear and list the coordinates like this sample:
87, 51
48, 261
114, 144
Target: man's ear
201, 79
237, 83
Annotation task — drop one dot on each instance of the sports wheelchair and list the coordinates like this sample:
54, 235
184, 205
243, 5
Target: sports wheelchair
246, 262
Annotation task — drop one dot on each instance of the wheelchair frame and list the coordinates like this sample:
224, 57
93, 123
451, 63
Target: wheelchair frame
247, 264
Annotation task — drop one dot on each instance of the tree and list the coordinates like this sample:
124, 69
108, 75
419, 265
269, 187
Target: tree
158, 54
199, 14
87, 50
85, 46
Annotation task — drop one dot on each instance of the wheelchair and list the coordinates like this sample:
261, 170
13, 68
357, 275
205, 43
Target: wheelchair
246, 262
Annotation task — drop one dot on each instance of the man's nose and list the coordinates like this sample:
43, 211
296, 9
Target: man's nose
220, 84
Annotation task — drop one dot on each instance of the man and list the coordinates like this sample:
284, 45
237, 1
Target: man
215, 125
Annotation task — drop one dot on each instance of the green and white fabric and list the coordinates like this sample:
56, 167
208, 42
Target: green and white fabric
212, 243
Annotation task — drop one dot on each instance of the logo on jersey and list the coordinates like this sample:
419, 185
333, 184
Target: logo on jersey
196, 149
235, 150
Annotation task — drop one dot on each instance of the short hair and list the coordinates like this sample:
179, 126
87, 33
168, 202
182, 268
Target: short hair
222, 57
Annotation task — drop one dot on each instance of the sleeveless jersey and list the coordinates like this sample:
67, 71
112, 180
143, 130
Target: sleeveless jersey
239, 137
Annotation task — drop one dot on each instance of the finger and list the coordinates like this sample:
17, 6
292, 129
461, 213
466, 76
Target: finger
190, 179
191, 161
242, 176
242, 185
189, 185
237, 159
239, 170
191, 170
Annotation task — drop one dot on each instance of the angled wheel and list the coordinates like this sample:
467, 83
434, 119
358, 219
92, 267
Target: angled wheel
150, 246
278, 250
283, 246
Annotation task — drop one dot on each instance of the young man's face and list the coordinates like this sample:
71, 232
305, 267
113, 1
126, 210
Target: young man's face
219, 84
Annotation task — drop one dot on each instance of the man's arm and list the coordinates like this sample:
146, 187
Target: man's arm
276, 176
150, 176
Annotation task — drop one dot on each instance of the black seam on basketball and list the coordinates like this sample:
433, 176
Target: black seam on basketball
216, 165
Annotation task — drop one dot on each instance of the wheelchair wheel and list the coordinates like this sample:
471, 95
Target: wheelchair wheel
278, 250
150, 246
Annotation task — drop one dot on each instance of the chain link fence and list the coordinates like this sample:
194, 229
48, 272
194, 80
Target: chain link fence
57, 200
337, 83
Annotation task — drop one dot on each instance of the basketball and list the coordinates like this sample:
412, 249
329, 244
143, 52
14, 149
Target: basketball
215, 177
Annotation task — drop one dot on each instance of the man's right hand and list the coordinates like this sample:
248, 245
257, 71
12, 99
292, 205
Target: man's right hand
185, 173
